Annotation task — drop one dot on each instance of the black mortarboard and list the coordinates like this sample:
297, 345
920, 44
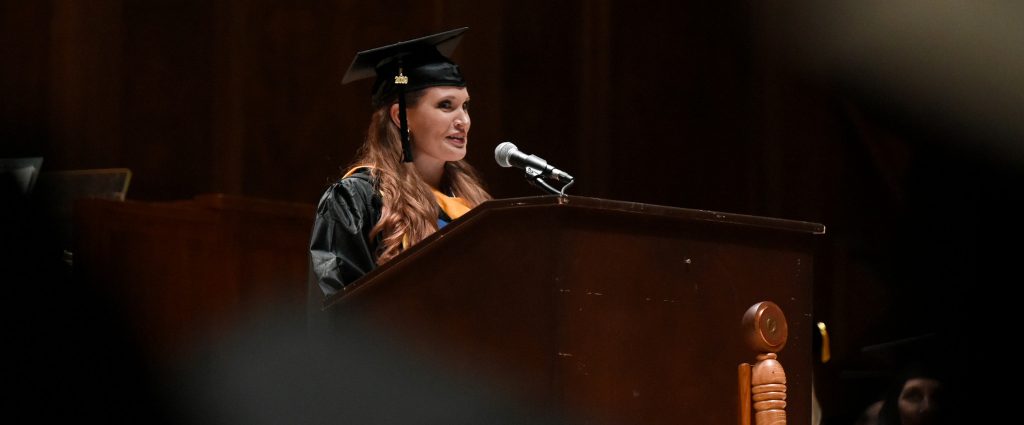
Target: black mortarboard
406, 67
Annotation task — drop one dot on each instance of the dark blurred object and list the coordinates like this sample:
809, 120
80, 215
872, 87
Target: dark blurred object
268, 370
932, 97
946, 65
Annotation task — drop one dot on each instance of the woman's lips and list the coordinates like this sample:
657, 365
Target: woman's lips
457, 139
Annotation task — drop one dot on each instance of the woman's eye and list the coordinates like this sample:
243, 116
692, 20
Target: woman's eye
913, 396
465, 106
445, 104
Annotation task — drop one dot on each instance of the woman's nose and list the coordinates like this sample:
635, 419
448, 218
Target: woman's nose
926, 405
462, 121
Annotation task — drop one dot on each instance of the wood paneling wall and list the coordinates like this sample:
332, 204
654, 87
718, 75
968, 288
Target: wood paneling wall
647, 103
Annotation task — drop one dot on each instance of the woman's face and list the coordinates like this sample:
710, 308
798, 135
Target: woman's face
918, 403
439, 124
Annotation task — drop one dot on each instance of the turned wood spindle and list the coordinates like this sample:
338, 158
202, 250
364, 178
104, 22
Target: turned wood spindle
763, 385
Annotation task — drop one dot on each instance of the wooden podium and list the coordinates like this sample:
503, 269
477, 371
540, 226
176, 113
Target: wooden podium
595, 310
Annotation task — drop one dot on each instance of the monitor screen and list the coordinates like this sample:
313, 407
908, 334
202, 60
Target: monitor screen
21, 172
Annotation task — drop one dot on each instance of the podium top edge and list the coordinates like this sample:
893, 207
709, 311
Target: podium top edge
652, 210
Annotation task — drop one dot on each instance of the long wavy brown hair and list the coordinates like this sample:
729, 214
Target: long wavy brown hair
410, 209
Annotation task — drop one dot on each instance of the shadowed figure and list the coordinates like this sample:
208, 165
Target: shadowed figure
919, 397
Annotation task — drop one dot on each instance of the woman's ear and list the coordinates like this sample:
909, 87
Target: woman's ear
394, 114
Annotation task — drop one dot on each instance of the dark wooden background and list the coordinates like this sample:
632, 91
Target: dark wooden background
729, 106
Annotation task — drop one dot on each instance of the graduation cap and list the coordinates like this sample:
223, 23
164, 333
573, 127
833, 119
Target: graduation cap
406, 67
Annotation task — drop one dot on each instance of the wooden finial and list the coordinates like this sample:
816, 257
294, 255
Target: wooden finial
766, 331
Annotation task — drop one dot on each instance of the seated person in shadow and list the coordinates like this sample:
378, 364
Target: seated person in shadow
920, 396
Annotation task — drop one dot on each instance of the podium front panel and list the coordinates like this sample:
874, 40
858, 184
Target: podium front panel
596, 314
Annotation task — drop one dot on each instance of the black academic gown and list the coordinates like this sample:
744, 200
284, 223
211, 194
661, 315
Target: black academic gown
340, 249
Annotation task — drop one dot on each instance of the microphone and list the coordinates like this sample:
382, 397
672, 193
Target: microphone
508, 155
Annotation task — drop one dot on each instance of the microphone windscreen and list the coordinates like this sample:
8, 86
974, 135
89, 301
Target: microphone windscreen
503, 152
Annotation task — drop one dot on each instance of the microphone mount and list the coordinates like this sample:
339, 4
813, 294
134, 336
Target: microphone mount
536, 178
